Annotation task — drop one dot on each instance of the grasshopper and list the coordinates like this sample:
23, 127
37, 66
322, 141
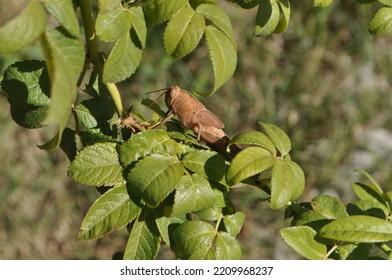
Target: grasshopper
193, 115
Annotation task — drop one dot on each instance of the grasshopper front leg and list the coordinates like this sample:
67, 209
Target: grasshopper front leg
165, 120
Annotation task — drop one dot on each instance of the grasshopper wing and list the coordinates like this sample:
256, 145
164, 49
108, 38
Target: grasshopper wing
206, 118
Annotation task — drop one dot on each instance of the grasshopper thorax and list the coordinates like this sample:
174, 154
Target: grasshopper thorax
172, 95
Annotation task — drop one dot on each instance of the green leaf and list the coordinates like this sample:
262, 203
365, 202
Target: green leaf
68, 143
247, 163
192, 240
143, 241
365, 192
233, 223
322, 3
113, 210
163, 224
386, 2
113, 21
374, 184
139, 26
183, 32
267, 18
227, 247
65, 60
97, 165
27, 86
301, 239
329, 206
257, 138
278, 137
381, 23
367, 207
208, 164
312, 219
154, 178
196, 3
123, 60
354, 251
65, 14
23, 29
358, 229
218, 17
246, 4
193, 193
94, 116
211, 214
146, 143
283, 23
223, 54
287, 183
158, 11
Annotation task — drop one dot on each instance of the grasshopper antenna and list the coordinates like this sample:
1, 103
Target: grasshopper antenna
155, 100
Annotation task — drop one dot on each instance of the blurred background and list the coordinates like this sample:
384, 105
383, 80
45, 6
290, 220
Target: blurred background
326, 82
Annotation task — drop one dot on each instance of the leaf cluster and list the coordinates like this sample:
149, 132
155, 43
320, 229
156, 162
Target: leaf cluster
325, 228
165, 188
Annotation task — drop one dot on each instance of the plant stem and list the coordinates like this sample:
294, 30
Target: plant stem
218, 223
92, 46
330, 252
116, 97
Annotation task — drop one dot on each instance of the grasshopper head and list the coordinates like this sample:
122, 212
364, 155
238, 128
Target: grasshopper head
171, 96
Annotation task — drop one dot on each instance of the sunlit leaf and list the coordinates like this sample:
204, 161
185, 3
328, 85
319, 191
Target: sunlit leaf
381, 23
192, 240
65, 60
328, 206
283, 23
158, 11
287, 183
223, 54
267, 18
23, 29
146, 143
227, 247
233, 223
363, 229
163, 224
113, 210
64, 12
252, 137
322, 3
113, 21
97, 165
143, 241
193, 193
123, 60
301, 239
206, 163
365, 192
154, 178
139, 25
247, 163
278, 137
218, 17
183, 32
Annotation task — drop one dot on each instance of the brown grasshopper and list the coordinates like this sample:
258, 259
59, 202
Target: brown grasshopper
193, 115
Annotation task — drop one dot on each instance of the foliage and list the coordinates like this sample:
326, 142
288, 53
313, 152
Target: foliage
164, 185
326, 229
